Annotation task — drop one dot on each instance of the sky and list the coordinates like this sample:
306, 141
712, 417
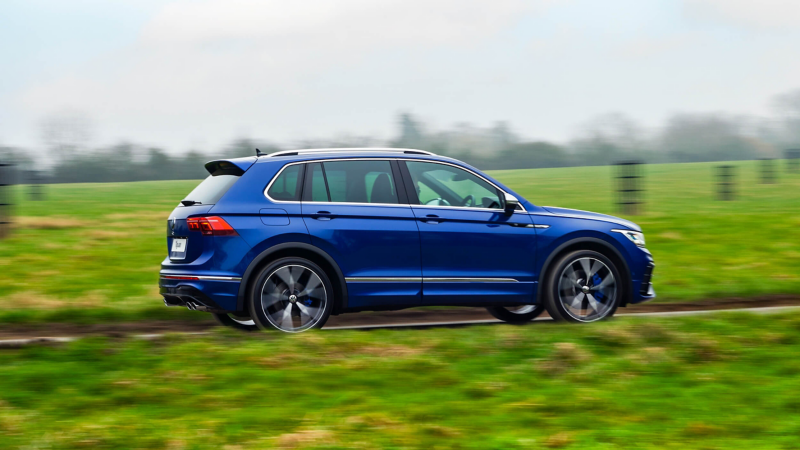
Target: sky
198, 74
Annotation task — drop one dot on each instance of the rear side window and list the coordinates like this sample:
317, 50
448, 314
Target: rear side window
210, 190
286, 186
364, 181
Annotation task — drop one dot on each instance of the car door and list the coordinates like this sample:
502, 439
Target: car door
472, 251
354, 212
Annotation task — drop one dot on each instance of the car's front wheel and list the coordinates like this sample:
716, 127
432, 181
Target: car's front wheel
583, 286
291, 295
516, 314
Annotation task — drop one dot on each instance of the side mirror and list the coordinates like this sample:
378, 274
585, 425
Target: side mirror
511, 203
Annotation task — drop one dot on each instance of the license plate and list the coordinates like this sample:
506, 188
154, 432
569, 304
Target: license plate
178, 250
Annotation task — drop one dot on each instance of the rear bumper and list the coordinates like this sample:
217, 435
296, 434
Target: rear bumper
211, 293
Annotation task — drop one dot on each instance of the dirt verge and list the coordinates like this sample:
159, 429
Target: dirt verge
455, 314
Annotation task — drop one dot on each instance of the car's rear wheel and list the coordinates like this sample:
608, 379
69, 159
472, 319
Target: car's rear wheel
233, 321
291, 295
583, 286
516, 314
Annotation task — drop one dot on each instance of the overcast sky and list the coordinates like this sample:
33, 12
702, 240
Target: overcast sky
197, 74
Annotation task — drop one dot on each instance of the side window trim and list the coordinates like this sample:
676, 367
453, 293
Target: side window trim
403, 183
302, 182
308, 185
399, 182
408, 183
325, 179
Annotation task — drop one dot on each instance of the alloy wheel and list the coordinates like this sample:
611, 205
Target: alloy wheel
587, 289
293, 298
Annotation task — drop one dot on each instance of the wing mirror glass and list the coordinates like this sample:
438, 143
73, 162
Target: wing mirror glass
511, 204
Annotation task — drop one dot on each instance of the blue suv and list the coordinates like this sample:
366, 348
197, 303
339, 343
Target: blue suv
284, 240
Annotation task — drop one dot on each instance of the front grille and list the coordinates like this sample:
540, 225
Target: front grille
646, 279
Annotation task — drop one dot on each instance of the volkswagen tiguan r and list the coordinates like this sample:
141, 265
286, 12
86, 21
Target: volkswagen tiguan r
284, 240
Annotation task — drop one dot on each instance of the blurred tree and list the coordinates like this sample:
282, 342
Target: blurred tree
787, 108
118, 163
20, 158
158, 161
411, 132
706, 137
534, 155
192, 166
246, 147
501, 136
65, 134
607, 139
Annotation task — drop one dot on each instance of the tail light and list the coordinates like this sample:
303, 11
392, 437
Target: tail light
211, 226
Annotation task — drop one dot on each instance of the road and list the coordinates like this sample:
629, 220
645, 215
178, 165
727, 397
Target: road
17, 343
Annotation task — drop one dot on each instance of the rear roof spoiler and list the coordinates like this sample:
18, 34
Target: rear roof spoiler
236, 166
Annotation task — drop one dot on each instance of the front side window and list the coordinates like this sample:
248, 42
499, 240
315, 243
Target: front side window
359, 181
287, 186
444, 185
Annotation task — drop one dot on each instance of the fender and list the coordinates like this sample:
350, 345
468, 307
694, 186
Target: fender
583, 240
290, 246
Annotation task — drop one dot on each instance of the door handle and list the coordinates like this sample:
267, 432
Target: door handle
521, 225
431, 219
323, 215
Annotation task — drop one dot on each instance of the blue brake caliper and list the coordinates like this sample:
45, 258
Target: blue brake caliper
596, 280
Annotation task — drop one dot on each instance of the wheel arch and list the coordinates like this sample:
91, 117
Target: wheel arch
300, 250
589, 243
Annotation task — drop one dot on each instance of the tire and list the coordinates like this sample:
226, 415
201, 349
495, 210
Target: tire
516, 315
572, 296
291, 295
240, 323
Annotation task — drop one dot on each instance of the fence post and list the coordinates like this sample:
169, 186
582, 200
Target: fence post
793, 160
767, 170
629, 189
6, 204
726, 183
35, 187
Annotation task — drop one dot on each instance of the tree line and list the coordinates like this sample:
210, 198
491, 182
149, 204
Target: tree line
604, 140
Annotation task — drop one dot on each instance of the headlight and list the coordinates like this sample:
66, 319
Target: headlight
634, 236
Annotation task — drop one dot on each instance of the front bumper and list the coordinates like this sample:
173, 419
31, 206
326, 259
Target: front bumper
645, 291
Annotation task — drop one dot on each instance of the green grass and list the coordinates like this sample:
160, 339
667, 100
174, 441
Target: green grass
91, 252
722, 381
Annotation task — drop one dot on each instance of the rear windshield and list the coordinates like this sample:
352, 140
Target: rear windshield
211, 189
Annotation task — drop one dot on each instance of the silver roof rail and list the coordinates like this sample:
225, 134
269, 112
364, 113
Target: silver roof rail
341, 150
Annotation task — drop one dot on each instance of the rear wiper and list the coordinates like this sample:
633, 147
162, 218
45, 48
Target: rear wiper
190, 202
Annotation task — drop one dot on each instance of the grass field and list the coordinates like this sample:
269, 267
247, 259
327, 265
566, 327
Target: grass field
722, 381
92, 251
